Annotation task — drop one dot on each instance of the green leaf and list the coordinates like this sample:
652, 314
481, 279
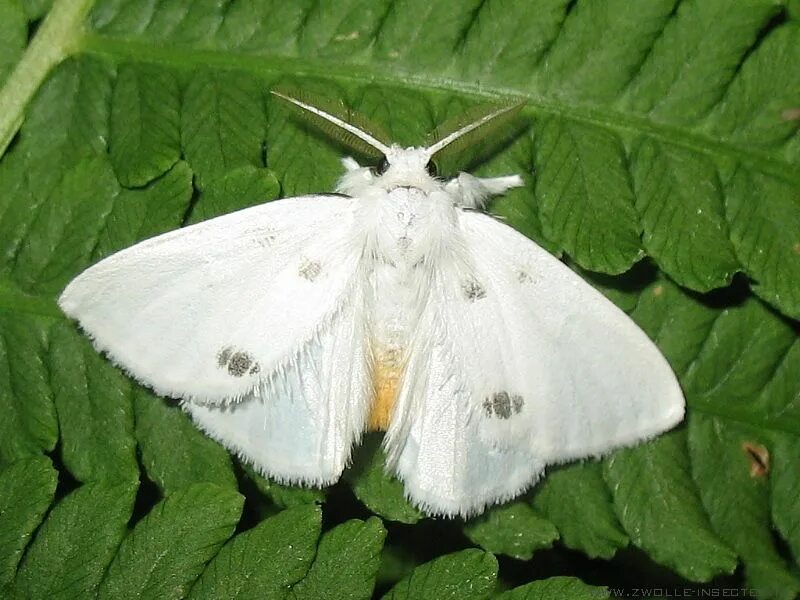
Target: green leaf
13, 35
17, 207
29, 416
577, 501
26, 491
343, 30
145, 121
168, 549
737, 367
175, 454
284, 496
381, 493
36, 9
56, 37
744, 369
95, 410
65, 228
765, 236
659, 507
515, 529
586, 200
654, 495
680, 324
406, 115
500, 41
785, 460
678, 195
735, 494
145, 212
692, 63
222, 123
436, 33
600, 49
346, 563
236, 190
519, 206
67, 121
266, 561
76, 543
625, 290
466, 575
755, 111
756, 352
555, 588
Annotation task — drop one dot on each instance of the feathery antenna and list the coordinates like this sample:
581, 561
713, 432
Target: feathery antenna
338, 121
478, 122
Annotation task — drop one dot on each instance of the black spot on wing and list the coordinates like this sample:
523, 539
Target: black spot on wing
487, 407
237, 362
503, 405
309, 269
224, 355
501, 402
473, 290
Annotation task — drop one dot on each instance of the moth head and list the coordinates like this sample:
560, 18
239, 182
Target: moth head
404, 167
395, 166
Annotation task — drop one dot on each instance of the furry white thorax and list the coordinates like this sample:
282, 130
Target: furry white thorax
408, 222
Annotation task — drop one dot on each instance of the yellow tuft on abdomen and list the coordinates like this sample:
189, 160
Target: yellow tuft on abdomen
386, 375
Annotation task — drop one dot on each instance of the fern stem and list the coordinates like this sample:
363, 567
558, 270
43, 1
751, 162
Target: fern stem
59, 36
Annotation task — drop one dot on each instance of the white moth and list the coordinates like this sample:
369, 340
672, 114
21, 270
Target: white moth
290, 328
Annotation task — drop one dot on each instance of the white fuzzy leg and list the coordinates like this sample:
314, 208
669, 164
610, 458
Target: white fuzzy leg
473, 192
350, 163
355, 179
